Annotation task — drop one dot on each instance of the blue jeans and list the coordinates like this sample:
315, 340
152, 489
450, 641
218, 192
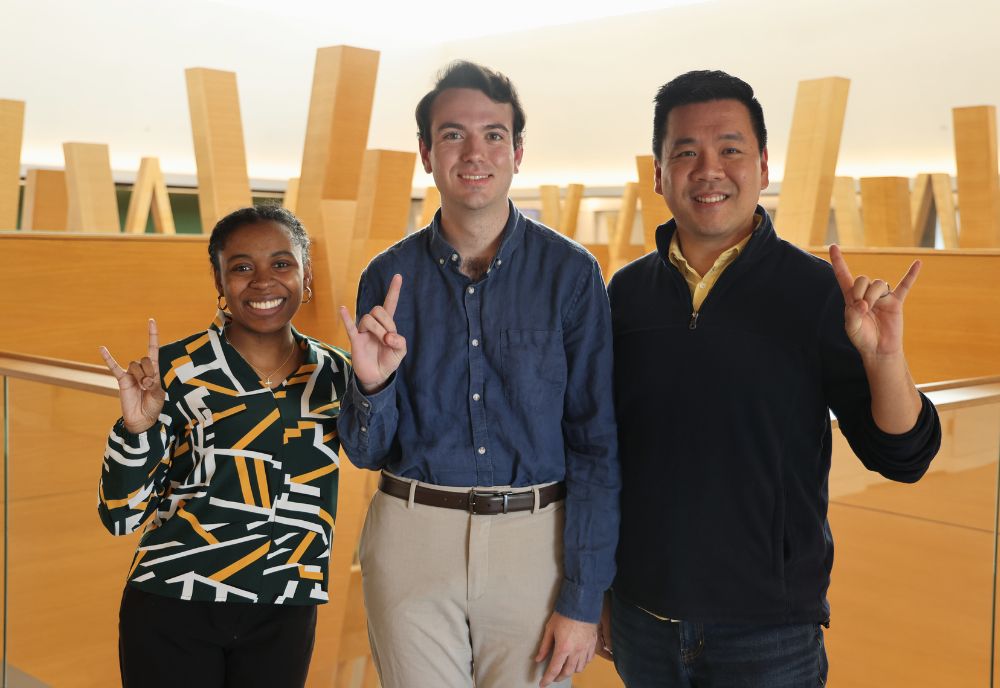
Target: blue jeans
650, 653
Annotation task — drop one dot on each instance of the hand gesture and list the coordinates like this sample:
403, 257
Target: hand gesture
376, 347
139, 387
571, 646
873, 311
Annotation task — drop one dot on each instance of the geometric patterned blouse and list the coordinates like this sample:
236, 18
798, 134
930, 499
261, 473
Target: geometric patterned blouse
238, 484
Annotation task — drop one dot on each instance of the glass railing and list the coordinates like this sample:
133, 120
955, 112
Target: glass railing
914, 583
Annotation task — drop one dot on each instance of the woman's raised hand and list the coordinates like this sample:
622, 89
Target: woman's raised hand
139, 388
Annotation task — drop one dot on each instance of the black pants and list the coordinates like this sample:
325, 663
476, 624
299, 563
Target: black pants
165, 642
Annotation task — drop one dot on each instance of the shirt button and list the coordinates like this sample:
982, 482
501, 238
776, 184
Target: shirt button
471, 290
701, 286
440, 261
476, 397
365, 404
364, 428
481, 450
499, 262
475, 342
454, 257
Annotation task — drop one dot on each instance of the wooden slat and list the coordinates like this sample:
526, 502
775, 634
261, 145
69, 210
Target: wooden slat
922, 211
332, 290
978, 178
430, 205
340, 108
45, 201
653, 208
551, 205
944, 202
223, 182
885, 207
11, 138
850, 231
569, 214
92, 205
149, 190
291, 197
620, 247
811, 162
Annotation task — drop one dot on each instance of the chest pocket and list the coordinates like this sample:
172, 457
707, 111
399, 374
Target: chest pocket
534, 367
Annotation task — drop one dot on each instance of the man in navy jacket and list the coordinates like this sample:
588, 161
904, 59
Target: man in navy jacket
731, 347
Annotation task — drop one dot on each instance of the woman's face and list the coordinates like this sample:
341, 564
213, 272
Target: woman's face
262, 276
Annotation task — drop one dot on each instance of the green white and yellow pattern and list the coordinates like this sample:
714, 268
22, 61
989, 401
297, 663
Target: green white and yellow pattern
238, 485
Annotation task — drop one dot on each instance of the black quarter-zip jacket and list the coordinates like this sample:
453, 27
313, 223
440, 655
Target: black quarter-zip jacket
725, 435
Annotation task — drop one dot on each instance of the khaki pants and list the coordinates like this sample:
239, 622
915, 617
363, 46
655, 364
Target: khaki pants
455, 599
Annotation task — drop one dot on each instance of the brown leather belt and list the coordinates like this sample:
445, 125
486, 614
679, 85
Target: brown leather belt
475, 501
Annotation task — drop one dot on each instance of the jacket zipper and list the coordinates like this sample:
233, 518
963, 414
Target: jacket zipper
694, 321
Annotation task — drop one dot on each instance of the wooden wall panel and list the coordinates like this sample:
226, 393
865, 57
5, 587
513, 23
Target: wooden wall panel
885, 207
950, 333
223, 182
148, 191
850, 230
92, 205
337, 130
551, 205
811, 162
569, 214
978, 178
45, 200
430, 205
11, 137
653, 208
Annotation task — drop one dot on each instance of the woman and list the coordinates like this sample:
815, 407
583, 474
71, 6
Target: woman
227, 446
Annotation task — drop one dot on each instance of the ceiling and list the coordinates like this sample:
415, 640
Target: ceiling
112, 71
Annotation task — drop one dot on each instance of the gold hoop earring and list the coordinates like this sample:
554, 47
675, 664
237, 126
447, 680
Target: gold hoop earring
221, 303
309, 292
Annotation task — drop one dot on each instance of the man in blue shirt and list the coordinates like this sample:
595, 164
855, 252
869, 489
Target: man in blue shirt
487, 549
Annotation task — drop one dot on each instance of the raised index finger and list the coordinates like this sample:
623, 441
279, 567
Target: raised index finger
392, 298
903, 288
154, 343
843, 273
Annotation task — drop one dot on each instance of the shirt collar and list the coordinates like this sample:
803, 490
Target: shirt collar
222, 320
511, 237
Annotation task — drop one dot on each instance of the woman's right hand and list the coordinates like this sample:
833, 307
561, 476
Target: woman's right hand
139, 387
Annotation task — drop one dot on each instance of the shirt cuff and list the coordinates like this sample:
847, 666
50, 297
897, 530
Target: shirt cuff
580, 603
367, 404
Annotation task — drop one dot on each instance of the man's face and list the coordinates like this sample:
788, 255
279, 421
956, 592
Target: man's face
472, 155
710, 171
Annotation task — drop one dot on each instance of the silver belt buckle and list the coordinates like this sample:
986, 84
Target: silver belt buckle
473, 494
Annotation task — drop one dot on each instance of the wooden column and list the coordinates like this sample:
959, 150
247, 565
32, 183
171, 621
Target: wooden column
850, 230
91, 200
620, 248
922, 210
978, 180
45, 201
652, 205
149, 190
885, 206
223, 183
569, 214
11, 137
551, 205
337, 130
432, 201
810, 166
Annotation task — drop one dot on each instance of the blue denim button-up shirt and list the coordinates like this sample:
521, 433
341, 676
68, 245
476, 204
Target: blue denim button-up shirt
507, 381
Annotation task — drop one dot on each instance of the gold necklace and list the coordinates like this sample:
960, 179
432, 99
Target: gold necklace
265, 378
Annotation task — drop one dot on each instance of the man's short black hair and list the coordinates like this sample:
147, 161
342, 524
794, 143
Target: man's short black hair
702, 86
252, 215
464, 74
